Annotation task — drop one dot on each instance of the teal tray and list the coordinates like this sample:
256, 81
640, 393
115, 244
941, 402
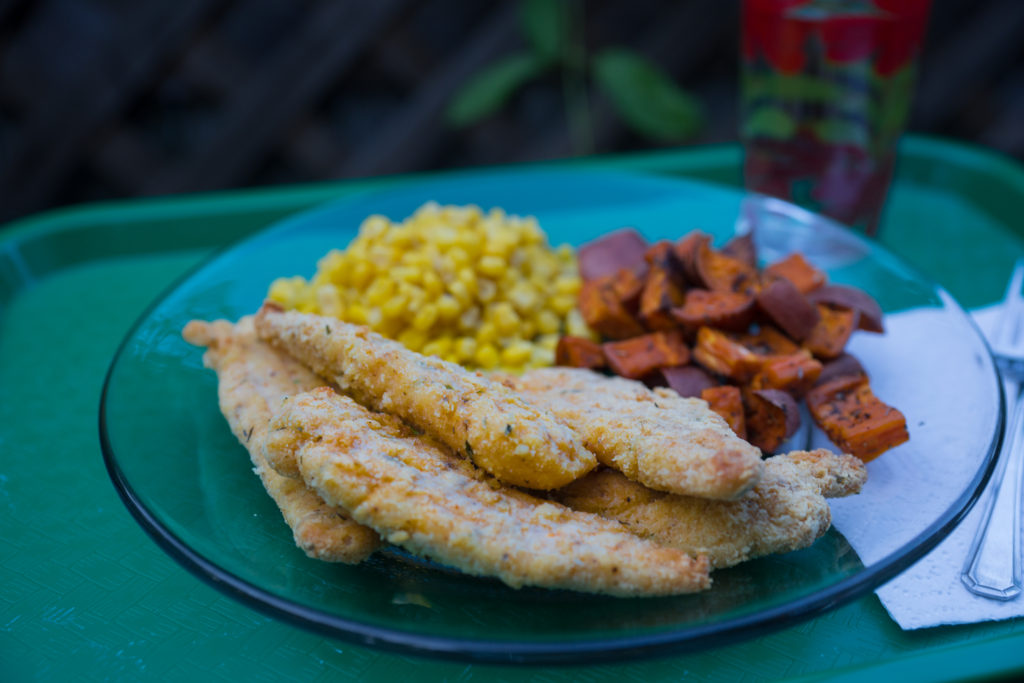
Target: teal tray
86, 595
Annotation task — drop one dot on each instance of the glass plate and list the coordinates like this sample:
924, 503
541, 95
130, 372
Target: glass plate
189, 483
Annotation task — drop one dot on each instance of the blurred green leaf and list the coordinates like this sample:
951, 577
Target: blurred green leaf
545, 24
646, 97
487, 91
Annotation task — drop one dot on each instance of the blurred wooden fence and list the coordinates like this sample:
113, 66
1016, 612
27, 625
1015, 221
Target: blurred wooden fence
120, 98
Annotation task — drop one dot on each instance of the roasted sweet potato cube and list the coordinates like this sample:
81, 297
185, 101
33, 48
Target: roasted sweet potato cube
623, 248
637, 357
662, 254
579, 352
797, 270
628, 286
722, 354
788, 309
686, 380
686, 250
835, 325
722, 273
722, 310
742, 248
843, 296
771, 415
841, 366
855, 419
727, 401
604, 311
768, 341
660, 295
795, 372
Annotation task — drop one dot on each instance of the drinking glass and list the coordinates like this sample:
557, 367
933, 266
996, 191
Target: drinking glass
825, 90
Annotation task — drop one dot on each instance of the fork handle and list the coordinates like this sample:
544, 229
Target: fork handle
993, 567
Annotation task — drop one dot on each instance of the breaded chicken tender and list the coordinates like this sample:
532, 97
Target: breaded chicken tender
422, 497
253, 380
501, 433
654, 437
786, 511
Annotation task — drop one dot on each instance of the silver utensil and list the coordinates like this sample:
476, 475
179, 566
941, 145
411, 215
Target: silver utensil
993, 566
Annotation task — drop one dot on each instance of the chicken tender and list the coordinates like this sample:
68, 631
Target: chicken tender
786, 511
253, 380
471, 414
420, 496
654, 437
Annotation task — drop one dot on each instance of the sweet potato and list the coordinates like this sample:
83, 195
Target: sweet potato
660, 295
686, 250
603, 310
722, 310
662, 254
841, 366
797, 270
686, 380
628, 286
623, 248
829, 336
795, 373
722, 273
579, 352
842, 296
768, 341
742, 248
727, 401
855, 419
637, 357
723, 355
771, 416
787, 308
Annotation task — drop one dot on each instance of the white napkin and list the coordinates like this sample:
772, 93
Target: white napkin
929, 593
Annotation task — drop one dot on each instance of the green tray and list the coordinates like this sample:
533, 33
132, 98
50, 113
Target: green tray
86, 595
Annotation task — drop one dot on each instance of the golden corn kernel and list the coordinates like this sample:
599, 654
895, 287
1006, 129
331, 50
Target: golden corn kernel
486, 333
486, 356
425, 317
355, 313
440, 347
465, 348
394, 307
562, 304
412, 339
491, 266
517, 353
548, 322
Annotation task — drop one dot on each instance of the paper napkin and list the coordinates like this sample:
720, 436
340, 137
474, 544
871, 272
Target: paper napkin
930, 592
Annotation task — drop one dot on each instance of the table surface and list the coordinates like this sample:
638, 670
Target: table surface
86, 595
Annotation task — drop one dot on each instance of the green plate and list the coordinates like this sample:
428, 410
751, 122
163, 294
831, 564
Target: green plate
189, 484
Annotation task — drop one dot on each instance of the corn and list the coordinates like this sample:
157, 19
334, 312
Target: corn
482, 289
486, 356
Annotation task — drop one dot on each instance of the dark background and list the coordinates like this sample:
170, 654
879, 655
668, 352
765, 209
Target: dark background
123, 98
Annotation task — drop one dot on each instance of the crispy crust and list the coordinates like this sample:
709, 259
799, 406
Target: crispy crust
419, 496
253, 380
786, 511
471, 414
654, 437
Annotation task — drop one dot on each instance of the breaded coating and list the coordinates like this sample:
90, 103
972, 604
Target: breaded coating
471, 414
420, 496
786, 511
253, 380
654, 437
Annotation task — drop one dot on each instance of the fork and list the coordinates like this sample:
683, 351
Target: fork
993, 566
